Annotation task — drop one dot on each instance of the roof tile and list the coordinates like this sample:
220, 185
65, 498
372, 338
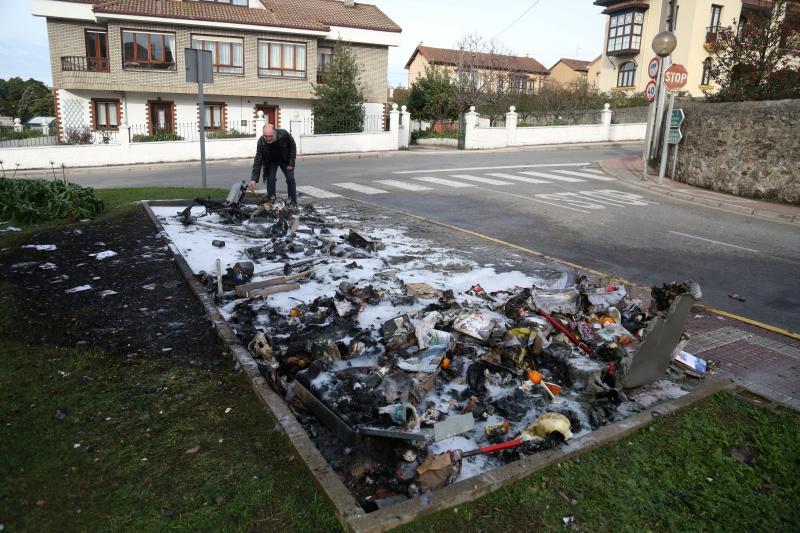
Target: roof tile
447, 56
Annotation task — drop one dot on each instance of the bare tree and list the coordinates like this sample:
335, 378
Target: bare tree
482, 75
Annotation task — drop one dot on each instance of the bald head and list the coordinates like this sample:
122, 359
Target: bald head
269, 133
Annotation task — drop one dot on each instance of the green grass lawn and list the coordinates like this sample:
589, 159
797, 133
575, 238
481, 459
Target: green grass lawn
156, 450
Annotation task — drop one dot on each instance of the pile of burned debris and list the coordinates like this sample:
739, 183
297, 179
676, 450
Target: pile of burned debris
407, 386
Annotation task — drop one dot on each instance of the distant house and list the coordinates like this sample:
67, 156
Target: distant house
38, 122
520, 74
593, 75
569, 72
6, 122
123, 60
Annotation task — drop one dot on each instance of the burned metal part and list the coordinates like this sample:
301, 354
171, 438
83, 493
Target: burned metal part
325, 415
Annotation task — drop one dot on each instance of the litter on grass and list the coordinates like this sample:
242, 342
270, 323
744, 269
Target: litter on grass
412, 366
41, 247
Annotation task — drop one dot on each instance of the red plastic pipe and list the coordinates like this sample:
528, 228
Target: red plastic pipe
566, 332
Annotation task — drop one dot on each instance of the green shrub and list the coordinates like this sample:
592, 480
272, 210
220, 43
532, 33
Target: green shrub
156, 137
8, 134
230, 134
37, 200
430, 134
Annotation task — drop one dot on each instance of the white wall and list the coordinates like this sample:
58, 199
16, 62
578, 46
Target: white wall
347, 142
481, 138
124, 153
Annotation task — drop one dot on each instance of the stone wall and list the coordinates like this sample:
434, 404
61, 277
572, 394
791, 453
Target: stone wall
744, 148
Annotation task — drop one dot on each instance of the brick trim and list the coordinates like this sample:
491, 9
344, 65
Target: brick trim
57, 108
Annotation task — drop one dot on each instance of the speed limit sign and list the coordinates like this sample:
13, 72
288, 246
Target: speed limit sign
650, 91
652, 68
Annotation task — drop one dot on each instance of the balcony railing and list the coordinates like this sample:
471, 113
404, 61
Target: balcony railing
712, 33
84, 64
321, 77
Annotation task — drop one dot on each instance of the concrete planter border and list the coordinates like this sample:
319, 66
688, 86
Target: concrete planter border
350, 514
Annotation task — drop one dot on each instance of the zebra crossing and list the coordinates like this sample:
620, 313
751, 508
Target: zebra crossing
540, 179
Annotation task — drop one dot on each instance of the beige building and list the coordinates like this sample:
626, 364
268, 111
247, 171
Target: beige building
123, 60
570, 72
593, 72
630, 26
522, 74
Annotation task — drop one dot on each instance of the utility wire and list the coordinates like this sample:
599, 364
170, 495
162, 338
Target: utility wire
516, 19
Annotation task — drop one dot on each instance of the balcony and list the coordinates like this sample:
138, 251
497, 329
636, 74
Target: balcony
84, 64
713, 39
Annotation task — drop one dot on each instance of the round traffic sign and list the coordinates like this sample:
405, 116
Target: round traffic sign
652, 68
675, 77
650, 91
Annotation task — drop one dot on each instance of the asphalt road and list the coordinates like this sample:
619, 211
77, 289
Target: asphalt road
555, 201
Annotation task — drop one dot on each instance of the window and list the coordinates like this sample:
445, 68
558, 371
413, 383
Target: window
625, 32
518, 84
234, 2
716, 15
324, 60
531, 86
106, 114
626, 75
212, 116
227, 56
96, 50
147, 50
281, 59
706, 78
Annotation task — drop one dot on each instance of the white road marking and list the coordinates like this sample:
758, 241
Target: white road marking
317, 193
551, 176
488, 168
360, 188
571, 198
441, 181
537, 200
627, 198
404, 185
480, 180
516, 178
585, 175
714, 242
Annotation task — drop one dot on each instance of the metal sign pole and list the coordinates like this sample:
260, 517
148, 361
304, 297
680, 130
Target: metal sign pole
199, 70
648, 138
660, 98
674, 161
665, 147
202, 127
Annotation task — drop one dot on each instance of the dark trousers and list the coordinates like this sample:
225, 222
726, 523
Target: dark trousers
272, 174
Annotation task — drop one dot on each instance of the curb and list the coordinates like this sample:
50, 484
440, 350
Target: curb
625, 175
385, 154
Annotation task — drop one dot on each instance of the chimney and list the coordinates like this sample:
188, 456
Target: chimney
349, 3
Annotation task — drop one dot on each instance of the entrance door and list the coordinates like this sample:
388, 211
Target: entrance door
161, 118
270, 114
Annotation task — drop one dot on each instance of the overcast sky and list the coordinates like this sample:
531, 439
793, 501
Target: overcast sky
550, 30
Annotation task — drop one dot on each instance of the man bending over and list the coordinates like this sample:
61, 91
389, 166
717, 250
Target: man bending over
275, 148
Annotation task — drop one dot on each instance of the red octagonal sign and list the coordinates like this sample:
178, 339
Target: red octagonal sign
675, 77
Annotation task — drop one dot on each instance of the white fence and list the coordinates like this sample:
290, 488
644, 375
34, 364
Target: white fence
477, 137
120, 151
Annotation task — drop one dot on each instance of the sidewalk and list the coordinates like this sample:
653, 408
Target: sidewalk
629, 169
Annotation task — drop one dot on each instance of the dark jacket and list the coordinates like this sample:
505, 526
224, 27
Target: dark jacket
287, 147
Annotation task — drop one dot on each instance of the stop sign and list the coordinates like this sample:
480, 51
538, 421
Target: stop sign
675, 77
